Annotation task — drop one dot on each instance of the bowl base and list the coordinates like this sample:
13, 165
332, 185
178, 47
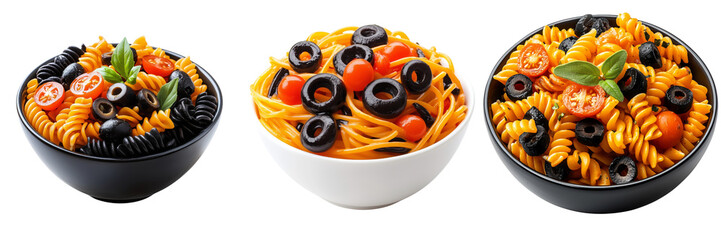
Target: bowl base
121, 200
361, 207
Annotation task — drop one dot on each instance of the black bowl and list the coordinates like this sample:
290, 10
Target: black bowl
121, 180
602, 199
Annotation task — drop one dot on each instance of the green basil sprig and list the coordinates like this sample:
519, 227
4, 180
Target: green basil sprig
168, 93
585, 73
124, 64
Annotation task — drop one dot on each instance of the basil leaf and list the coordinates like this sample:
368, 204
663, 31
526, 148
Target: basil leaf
612, 89
110, 75
614, 65
168, 93
118, 60
133, 75
581, 72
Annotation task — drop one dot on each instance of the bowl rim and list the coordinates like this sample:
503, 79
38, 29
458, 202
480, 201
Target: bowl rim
712, 117
173, 55
470, 102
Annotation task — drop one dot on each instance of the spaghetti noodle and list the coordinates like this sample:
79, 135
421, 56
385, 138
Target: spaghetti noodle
362, 134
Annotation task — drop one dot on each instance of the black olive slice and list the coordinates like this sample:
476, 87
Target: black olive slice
385, 108
121, 95
559, 172
135, 54
276, 81
147, 102
601, 25
567, 43
370, 35
456, 91
622, 170
185, 83
535, 144
103, 109
394, 149
307, 66
114, 130
423, 73
106, 58
584, 24
323, 80
633, 83
589, 131
537, 116
519, 87
425, 115
678, 99
347, 54
447, 81
649, 55
324, 139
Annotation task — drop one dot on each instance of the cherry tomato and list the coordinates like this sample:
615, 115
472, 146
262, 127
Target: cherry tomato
49, 95
157, 65
381, 64
413, 127
289, 89
397, 50
583, 101
358, 74
389, 53
88, 85
671, 127
533, 60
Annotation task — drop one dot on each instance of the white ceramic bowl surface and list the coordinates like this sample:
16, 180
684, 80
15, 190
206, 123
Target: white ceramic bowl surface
368, 184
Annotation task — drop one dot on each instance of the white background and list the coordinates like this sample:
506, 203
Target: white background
237, 191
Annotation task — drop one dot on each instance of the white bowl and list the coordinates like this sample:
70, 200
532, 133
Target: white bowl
368, 184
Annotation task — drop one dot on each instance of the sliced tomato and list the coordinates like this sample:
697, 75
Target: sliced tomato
49, 95
671, 127
88, 85
534, 60
358, 74
157, 65
583, 101
413, 127
289, 89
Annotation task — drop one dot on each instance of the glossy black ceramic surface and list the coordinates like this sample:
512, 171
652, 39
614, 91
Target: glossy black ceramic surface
603, 199
122, 180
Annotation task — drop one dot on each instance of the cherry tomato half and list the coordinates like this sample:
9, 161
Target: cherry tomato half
413, 127
583, 101
289, 89
88, 85
533, 60
671, 127
49, 95
157, 65
358, 74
